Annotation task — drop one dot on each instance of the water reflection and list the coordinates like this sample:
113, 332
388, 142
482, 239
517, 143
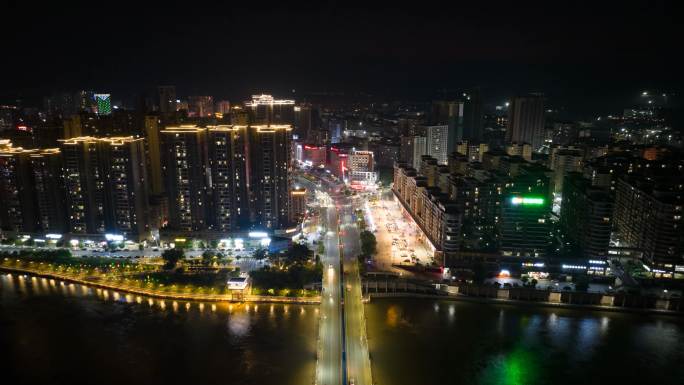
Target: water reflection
149, 340
501, 344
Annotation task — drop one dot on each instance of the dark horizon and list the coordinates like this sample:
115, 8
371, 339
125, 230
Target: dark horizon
588, 58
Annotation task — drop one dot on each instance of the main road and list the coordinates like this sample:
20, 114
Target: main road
358, 359
329, 368
342, 346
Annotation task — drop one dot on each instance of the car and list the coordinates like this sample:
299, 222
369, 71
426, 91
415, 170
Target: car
330, 266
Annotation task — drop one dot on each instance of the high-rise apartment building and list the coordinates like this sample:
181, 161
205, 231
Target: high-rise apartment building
437, 142
223, 107
303, 122
153, 151
563, 161
167, 99
31, 196
106, 186
184, 167
200, 106
648, 216
265, 110
411, 150
228, 184
269, 174
586, 217
526, 121
103, 104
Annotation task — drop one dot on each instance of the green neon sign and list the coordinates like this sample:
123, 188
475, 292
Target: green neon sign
527, 201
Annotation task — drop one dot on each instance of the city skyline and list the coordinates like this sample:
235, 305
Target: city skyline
587, 61
341, 193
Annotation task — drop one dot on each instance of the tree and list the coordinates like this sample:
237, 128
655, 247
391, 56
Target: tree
297, 253
171, 257
260, 253
207, 256
582, 283
368, 243
479, 273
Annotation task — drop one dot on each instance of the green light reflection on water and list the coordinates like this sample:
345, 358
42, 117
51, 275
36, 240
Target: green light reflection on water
518, 367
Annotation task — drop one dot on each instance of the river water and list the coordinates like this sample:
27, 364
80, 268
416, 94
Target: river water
440, 342
59, 333
54, 333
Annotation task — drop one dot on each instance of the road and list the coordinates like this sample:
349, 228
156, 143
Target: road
358, 359
329, 366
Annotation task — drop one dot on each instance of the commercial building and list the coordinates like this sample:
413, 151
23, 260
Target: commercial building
362, 169
586, 217
525, 215
526, 121
312, 155
437, 216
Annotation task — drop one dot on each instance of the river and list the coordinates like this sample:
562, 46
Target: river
440, 342
59, 333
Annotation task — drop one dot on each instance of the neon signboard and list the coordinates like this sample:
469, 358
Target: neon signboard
527, 201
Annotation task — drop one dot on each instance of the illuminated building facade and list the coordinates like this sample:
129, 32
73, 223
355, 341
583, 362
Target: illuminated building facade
227, 178
31, 190
106, 186
184, 159
228, 183
313, 156
297, 204
525, 216
265, 110
437, 216
648, 216
437, 142
269, 174
103, 103
586, 216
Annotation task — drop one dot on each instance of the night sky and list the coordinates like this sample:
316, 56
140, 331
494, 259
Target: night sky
583, 55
